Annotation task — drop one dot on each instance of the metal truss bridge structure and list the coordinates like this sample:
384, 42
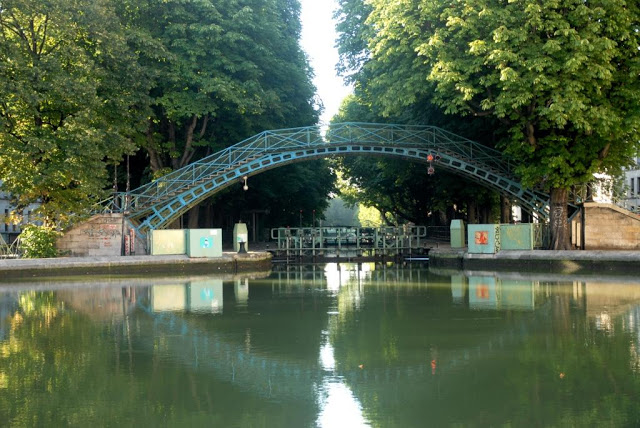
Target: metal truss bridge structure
157, 204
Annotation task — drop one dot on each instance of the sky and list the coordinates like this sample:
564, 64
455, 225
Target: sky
318, 40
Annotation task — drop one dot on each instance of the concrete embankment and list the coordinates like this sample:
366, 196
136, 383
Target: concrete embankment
567, 262
537, 261
134, 265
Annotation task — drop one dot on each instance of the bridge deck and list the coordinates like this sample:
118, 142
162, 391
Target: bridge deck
156, 204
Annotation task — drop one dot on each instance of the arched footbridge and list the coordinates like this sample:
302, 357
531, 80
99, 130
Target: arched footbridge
157, 204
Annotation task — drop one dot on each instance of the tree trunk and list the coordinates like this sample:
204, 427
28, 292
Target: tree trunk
194, 216
472, 212
559, 219
154, 158
442, 218
188, 142
484, 214
208, 216
173, 152
505, 210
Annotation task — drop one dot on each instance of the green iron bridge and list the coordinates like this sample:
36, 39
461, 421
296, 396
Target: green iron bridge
157, 204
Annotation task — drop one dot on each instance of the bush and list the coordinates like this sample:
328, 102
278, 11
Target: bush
38, 241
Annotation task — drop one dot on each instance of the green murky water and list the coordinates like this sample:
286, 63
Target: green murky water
326, 346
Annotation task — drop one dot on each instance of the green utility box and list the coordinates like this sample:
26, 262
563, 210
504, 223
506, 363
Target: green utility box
457, 234
204, 242
168, 242
483, 238
517, 236
240, 234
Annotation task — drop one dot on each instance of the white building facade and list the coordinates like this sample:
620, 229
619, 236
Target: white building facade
9, 231
631, 201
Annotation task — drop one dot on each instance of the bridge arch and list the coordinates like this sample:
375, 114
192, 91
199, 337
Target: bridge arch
157, 204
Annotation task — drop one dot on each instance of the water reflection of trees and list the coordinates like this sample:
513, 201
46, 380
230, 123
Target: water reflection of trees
564, 353
61, 364
61, 368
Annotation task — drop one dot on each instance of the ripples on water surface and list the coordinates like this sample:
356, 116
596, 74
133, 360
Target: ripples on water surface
327, 346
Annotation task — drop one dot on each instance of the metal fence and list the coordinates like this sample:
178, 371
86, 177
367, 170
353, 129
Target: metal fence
10, 251
352, 241
439, 233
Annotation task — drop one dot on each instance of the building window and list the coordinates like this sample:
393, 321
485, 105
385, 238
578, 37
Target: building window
631, 184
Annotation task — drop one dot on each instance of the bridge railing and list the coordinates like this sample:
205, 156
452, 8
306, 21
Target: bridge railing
220, 161
388, 135
420, 137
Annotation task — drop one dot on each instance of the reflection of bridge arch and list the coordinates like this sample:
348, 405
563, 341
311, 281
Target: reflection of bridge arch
276, 378
158, 203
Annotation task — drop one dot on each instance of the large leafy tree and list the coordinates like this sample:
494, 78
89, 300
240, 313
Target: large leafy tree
83, 82
560, 75
223, 71
403, 190
411, 194
202, 68
68, 84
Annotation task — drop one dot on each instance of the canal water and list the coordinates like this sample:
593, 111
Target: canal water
347, 345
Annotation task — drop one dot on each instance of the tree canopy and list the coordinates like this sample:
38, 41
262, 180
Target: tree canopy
403, 191
560, 77
85, 82
223, 71
68, 87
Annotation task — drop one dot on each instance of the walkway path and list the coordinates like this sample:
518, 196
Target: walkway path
604, 261
565, 262
134, 265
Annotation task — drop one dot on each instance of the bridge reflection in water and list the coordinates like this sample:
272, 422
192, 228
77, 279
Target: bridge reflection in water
379, 344
327, 381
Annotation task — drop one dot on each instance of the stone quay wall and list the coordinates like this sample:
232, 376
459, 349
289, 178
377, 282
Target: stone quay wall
609, 227
100, 236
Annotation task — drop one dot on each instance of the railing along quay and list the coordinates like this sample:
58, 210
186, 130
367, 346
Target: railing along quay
355, 243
